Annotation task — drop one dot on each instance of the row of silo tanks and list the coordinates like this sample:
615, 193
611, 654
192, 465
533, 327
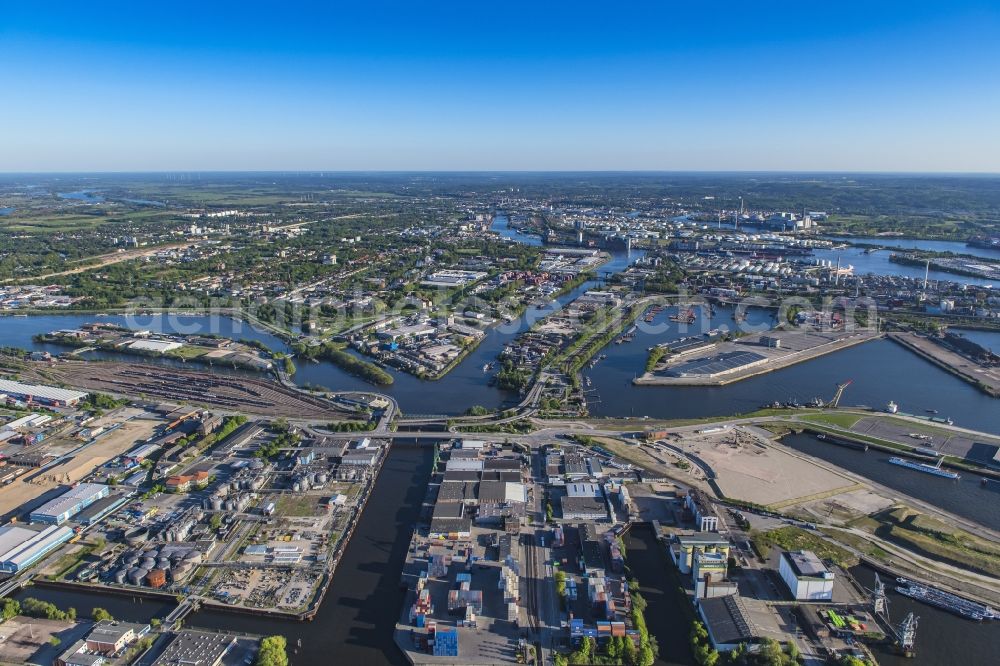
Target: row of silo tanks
138, 567
232, 503
303, 482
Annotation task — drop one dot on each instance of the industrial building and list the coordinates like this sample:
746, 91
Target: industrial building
196, 647
101, 508
20, 547
728, 622
718, 365
705, 518
46, 395
69, 503
25, 422
110, 638
687, 546
806, 576
155, 346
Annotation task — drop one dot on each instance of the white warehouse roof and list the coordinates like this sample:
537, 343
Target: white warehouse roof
161, 346
73, 499
39, 391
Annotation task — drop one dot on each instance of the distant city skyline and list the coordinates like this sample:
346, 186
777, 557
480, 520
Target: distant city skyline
659, 86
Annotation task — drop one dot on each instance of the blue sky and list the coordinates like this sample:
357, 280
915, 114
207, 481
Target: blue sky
873, 86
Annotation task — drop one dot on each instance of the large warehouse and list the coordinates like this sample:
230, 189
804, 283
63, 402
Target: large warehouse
720, 364
46, 395
20, 547
69, 504
806, 576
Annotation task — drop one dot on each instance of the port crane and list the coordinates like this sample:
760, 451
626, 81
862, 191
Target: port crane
840, 391
906, 632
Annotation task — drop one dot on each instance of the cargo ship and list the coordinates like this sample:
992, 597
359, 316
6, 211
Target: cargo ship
946, 601
924, 467
989, 242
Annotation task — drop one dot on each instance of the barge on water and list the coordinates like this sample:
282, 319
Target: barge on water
842, 441
924, 467
953, 603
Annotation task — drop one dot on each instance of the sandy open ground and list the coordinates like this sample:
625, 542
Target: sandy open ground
34, 488
749, 471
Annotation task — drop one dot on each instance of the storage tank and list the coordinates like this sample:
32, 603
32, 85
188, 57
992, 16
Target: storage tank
322, 477
297, 487
156, 578
137, 536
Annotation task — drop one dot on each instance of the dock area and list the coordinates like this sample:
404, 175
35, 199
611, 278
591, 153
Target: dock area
728, 362
986, 378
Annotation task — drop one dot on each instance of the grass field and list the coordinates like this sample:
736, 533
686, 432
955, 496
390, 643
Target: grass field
188, 352
938, 540
795, 538
297, 506
840, 420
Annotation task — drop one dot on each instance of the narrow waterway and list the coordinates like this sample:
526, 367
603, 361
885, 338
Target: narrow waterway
356, 621
667, 617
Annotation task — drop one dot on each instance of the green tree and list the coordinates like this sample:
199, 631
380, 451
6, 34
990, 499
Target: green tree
10, 608
628, 653
215, 522
272, 652
101, 614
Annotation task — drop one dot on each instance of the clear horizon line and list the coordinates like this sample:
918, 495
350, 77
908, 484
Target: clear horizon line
502, 171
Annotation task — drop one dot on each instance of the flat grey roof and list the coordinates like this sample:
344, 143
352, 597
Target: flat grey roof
716, 364
727, 619
805, 563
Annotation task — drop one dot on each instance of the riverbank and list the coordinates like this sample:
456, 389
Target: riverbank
986, 380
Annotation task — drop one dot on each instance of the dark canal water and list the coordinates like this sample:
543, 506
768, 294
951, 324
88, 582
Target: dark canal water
667, 617
942, 638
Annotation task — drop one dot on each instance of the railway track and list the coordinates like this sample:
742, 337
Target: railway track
531, 580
